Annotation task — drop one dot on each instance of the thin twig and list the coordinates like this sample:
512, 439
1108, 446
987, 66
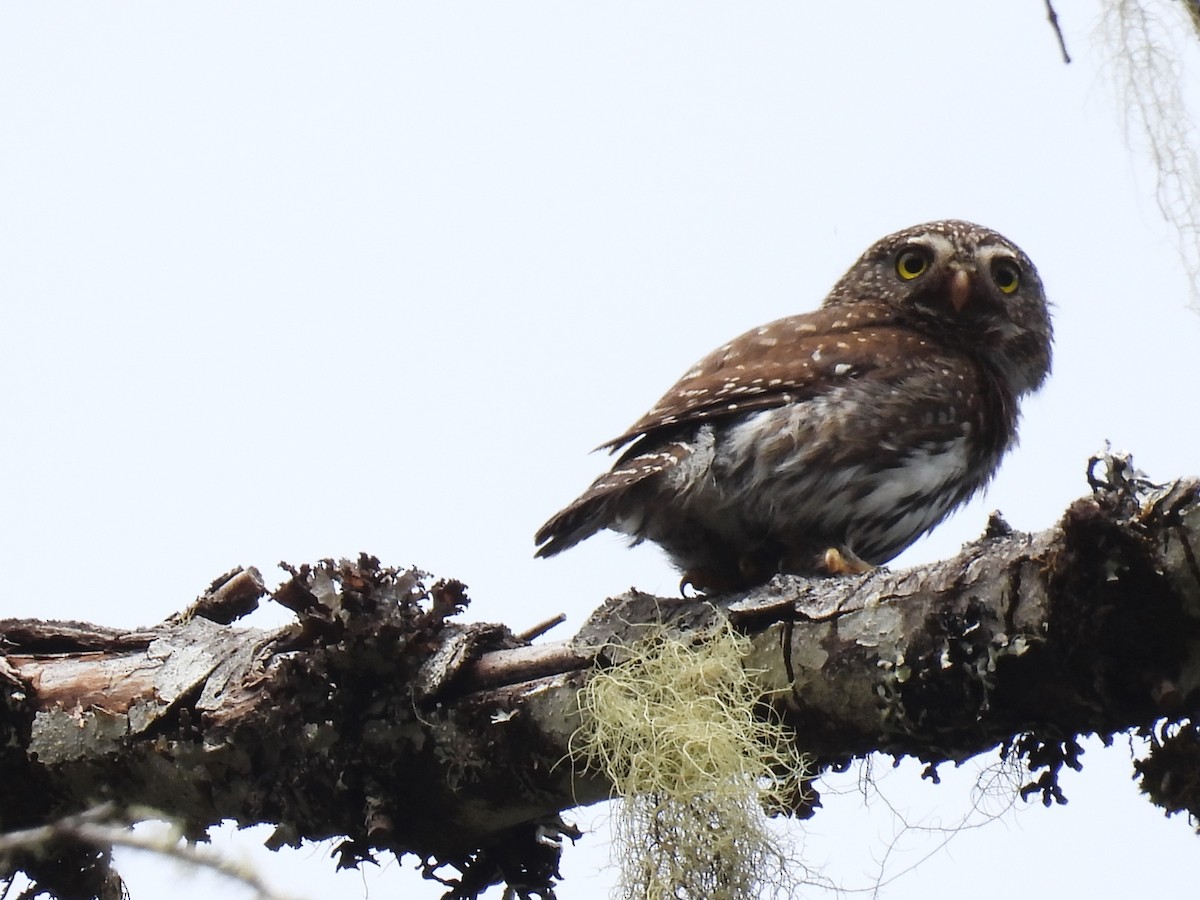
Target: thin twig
1062, 42
530, 634
103, 826
497, 668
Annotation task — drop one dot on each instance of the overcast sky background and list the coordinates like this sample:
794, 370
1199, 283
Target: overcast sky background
291, 281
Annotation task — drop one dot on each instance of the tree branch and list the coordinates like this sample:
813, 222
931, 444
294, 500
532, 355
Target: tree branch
378, 718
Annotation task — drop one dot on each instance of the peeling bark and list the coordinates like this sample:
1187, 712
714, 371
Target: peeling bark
378, 718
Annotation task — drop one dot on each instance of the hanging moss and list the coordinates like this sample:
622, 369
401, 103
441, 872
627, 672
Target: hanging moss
680, 730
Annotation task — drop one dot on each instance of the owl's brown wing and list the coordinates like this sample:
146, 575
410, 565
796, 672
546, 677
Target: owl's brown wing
786, 361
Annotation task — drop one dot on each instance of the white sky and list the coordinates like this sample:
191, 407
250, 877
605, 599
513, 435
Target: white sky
288, 281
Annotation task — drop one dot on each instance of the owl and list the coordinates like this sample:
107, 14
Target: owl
827, 442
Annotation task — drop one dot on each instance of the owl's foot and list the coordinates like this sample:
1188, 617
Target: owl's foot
749, 570
754, 569
840, 561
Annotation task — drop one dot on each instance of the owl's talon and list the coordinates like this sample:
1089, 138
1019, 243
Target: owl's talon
838, 561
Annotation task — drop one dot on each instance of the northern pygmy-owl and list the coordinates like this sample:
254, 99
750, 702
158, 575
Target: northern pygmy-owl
834, 438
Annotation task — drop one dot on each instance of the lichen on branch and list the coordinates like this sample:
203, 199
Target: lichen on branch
679, 727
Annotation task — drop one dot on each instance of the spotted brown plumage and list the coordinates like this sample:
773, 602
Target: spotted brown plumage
854, 428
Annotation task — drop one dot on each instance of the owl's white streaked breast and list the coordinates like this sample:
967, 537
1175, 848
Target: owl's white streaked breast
771, 470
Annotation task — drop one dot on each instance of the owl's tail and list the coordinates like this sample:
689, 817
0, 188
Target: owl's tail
617, 500
593, 511
565, 530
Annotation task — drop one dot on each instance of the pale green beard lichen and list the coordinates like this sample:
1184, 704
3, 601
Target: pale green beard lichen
678, 729
1150, 67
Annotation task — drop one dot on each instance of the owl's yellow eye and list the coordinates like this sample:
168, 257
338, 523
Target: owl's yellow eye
1007, 277
911, 263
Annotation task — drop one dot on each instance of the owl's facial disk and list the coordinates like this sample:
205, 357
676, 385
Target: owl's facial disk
975, 289
967, 286
953, 282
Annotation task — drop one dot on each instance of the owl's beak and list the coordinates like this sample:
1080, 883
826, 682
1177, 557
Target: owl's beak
960, 289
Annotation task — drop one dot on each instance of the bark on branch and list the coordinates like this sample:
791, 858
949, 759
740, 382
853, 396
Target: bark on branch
378, 718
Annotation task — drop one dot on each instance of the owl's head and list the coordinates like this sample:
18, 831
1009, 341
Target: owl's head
967, 285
